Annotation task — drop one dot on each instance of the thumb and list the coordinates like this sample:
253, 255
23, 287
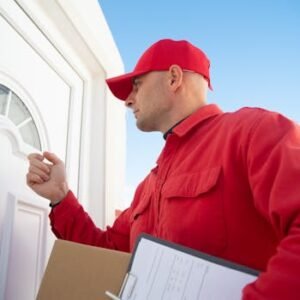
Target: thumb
52, 157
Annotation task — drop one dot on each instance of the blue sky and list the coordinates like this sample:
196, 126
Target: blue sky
253, 46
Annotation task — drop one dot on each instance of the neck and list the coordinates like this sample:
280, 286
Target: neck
169, 131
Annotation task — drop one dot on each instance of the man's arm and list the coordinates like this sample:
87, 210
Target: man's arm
273, 161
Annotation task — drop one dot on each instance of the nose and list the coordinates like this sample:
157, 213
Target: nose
130, 100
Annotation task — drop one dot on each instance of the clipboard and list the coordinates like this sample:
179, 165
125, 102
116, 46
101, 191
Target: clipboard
160, 269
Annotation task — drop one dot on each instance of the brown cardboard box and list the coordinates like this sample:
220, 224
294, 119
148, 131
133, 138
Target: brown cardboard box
80, 272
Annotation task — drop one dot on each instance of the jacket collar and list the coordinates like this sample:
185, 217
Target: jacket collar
196, 118
199, 116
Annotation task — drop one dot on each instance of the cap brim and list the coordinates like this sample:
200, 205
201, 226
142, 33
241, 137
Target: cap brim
121, 86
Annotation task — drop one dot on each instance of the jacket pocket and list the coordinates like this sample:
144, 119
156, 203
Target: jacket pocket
192, 184
192, 211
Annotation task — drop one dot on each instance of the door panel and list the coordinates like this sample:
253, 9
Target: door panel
26, 250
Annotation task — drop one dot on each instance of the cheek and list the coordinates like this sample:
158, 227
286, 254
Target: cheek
146, 103
151, 99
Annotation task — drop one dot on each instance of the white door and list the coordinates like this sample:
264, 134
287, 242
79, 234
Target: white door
37, 102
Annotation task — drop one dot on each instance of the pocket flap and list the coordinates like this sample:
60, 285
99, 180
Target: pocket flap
191, 184
140, 208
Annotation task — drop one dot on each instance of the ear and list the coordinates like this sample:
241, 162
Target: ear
175, 75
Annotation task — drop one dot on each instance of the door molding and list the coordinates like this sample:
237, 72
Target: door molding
5, 241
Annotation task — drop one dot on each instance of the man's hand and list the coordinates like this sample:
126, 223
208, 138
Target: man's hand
47, 179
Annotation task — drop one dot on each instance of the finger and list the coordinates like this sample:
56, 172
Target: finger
40, 165
33, 156
33, 179
52, 157
37, 171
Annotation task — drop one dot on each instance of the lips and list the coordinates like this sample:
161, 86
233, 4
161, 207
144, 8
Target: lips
135, 112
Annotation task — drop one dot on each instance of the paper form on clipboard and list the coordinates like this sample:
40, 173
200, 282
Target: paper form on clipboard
164, 270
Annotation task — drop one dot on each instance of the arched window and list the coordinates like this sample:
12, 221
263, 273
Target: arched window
13, 108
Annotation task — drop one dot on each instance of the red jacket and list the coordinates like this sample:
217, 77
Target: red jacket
227, 184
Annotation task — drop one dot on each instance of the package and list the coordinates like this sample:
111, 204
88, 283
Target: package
81, 272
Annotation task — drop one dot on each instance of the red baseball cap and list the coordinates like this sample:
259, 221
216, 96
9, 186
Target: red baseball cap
159, 57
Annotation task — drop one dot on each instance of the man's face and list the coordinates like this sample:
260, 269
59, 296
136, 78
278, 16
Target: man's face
149, 101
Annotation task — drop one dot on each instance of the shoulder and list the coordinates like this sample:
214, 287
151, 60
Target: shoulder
258, 124
252, 113
256, 117
268, 127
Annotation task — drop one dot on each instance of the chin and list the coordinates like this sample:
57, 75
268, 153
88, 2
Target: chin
144, 127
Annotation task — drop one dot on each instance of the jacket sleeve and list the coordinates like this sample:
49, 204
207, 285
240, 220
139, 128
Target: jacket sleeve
273, 161
70, 222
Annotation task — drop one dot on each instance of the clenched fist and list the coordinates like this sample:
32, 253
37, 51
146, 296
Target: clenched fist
47, 176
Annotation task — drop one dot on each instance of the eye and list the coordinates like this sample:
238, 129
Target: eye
136, 84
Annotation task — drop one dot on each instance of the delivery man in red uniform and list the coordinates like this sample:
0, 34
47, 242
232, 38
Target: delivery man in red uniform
227, 184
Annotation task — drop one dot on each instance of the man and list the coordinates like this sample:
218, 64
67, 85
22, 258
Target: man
225, 183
